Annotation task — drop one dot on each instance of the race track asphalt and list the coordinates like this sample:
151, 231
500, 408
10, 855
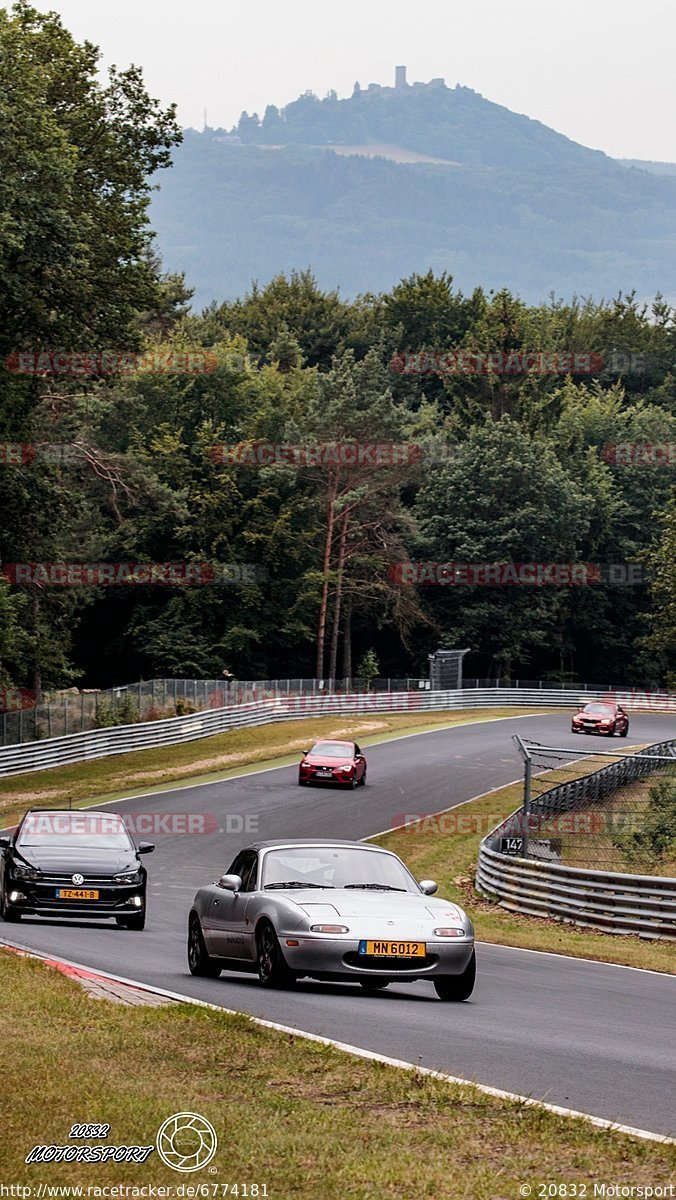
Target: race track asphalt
596, 1038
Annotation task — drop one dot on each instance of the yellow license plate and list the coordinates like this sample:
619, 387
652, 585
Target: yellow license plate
76, 894
393, 949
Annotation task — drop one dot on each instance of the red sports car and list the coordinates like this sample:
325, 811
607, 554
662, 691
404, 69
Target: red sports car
333, 762
601, 718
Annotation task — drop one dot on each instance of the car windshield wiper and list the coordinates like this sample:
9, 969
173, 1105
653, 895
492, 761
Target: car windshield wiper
293, 883
382, 887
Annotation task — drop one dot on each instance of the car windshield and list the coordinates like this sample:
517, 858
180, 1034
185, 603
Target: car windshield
332, 749
86, 831
335, 867
599, 710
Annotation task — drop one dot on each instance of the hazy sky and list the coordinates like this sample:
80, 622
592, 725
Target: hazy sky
600, 71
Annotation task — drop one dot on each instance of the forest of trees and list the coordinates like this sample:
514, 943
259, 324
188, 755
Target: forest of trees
140, 474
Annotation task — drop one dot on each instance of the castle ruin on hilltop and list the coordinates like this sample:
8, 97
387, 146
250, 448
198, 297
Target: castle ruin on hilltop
401, 85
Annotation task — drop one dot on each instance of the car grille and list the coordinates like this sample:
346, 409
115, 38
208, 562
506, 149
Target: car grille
88, 880
387, 965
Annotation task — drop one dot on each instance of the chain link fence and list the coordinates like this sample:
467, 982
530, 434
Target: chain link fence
607, 812
73, 711
594, 842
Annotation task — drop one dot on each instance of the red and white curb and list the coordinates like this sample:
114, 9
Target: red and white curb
81, 972
98, 986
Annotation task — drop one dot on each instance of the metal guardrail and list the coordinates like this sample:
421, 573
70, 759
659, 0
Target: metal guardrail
72, 711
613, 901
123, 739
617, 902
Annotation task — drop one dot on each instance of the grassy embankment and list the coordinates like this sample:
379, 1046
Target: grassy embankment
304, 1119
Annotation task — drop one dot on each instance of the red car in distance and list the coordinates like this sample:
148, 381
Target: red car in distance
333, 762
601, 718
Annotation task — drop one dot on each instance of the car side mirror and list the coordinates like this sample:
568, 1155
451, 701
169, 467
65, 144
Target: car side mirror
230, 883
5, 843
146, 847
428, 887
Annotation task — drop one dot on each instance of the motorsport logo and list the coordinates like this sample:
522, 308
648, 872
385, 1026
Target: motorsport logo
185, 1142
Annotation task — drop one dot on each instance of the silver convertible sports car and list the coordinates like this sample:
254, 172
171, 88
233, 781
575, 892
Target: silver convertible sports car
334, 910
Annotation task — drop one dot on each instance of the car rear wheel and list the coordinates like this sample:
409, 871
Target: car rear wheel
199, 961
457, 987
272, 970
373, 985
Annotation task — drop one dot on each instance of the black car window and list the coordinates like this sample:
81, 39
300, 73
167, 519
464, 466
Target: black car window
245, 865
356, 749
249, 872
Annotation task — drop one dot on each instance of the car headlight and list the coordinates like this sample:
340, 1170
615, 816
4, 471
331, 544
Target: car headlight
24, 871
329, 929
347, 767
128, 877
450, 932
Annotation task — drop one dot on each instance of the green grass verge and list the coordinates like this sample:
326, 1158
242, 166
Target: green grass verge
446, 848
213, 758
303, 1119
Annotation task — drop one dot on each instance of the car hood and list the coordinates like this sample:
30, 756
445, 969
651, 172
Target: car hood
356, 903
323, 760
69, 861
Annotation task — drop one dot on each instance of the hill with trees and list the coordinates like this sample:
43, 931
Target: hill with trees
506, 201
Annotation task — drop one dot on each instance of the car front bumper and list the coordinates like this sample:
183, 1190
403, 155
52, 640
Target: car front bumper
123, 900
310, 775
322, 956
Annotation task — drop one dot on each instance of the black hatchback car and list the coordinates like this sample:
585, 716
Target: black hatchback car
61, 863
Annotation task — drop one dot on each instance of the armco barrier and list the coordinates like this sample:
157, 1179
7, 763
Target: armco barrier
615, 902
98, 743
122, 739
610, 900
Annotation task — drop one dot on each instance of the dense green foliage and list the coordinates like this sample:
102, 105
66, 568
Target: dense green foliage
528, 481
529, 478
655, 840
